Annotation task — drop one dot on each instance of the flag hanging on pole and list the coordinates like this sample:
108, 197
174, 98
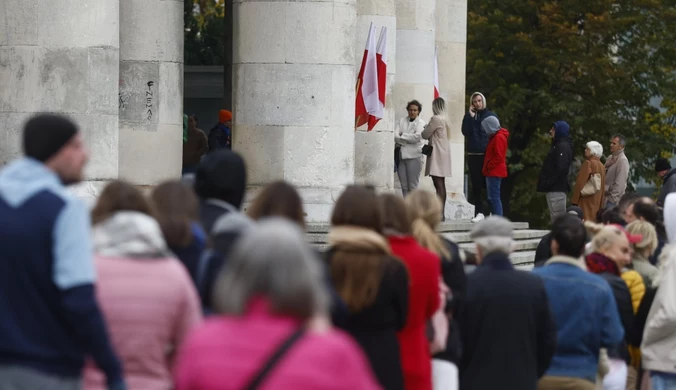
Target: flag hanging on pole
436, 74
381, 60
367, 82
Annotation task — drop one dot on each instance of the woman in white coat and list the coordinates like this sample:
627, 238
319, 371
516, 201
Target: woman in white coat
408, 137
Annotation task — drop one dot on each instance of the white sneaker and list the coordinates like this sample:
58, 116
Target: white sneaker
479, 217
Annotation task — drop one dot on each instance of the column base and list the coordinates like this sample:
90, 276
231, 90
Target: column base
458, 210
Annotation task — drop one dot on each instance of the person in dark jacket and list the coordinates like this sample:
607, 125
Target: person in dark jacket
509, 336
49, 316
220, 183
610, 252
476, 142
553, 180
584, 310
668, 175
220, 136
373, 284
544, 249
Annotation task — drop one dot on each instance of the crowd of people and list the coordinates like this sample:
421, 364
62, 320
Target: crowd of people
180, 288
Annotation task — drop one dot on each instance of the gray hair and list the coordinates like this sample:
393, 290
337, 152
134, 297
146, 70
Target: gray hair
621, 138
272, 261
494, 234
595, 148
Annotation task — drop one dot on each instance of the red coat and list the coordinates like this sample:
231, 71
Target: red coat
424, 268
495, 160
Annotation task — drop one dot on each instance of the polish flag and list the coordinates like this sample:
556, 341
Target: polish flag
381, 58
367, 82
436, 74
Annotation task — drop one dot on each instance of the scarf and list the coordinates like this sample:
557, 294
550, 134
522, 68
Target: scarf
130, 234
358, 239
613, 159
598, 264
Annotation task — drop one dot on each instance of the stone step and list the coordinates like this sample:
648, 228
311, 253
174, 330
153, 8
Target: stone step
522, 245
457, 237
444, 227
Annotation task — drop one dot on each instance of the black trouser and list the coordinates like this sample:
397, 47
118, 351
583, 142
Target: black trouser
477, 181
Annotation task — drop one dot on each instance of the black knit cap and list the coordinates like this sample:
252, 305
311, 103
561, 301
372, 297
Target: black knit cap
662, 164
45, 134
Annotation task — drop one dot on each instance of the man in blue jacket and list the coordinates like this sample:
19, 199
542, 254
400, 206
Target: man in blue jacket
477, 140
583, 307
49, 318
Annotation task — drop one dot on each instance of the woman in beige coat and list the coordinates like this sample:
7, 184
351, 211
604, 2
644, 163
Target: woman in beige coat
438, 166
590, 204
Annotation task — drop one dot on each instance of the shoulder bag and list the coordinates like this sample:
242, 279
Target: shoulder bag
275, 358
427, 150
592, 186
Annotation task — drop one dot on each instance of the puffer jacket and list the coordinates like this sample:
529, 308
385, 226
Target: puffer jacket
636, 287
554, 173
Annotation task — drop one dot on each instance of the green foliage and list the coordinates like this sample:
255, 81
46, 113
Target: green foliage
598, 64
204, 32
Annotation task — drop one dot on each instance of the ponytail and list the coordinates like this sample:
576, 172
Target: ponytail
429, 239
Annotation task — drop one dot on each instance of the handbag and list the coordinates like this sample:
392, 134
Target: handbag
592, 186
275, 358
427, 150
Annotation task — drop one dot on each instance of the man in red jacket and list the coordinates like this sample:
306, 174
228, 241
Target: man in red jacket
495, 161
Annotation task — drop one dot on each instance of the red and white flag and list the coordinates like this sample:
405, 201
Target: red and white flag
367, 82
381, 59
436, 74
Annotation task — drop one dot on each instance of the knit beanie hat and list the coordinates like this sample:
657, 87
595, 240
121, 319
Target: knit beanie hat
45, 134
662, 164
224, 116
491, 125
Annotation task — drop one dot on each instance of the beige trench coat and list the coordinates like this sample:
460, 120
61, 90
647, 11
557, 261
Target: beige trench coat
439, 163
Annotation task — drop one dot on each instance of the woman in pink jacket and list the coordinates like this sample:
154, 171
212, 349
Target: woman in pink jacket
268, 293
146, 295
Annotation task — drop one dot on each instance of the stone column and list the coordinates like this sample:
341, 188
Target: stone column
293, 96
373, 151
61, 56
151, 90
451, 40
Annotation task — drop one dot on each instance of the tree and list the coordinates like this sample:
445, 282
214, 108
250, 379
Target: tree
204, 32
597, 64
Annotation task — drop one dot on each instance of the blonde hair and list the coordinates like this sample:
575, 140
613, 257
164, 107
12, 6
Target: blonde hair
603, 235
425, 209
647, 230
439, 109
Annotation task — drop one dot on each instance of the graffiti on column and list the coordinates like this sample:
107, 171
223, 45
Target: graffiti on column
149, 100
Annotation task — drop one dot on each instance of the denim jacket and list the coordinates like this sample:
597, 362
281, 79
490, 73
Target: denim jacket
585, 314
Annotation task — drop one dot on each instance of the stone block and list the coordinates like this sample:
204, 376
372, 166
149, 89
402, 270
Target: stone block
456, 183
100, 133
148, 158
139, 93
319, 33
456, 22
265, 43
263, 150
405, 92
104, 80
293, 94
19, 78
63, 80
19, 23
11, 129
362, 32
319, 156
416, 15
440, 24
171, 93
415, 56
79, 23
458, 210
374, 159
151, 30
376, 8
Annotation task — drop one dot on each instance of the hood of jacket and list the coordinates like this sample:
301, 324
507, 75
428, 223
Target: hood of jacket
222, 175
483, 97
561, 130
25, 177
130, 234
502, 132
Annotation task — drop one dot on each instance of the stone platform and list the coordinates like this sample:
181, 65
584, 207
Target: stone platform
458, 231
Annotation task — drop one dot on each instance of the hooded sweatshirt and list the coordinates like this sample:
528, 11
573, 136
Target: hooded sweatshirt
477, 140
49, 317
495, 160
554, 173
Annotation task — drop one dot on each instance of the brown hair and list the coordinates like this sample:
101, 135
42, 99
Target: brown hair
119, 196
395, 213
357, 275
177, 208
278, 199
425, 209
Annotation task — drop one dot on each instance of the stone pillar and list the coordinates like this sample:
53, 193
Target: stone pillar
151, 90
293, 96
61, 56
451, 40
373, 151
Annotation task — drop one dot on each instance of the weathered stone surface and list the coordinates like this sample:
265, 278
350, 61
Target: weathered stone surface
10, 135
139, 93
171, 93
100, 133
151, 30
19, 23
148, 158
19, 77
416, 15
374, 159
104, 70
78, 23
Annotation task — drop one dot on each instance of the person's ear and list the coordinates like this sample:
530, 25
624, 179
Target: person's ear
554, 247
